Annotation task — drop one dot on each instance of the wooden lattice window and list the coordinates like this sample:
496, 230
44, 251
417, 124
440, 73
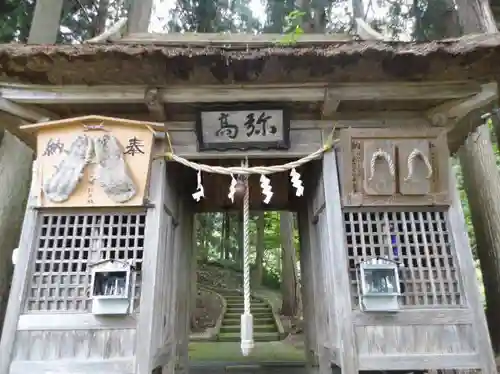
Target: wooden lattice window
67, 243
420, 241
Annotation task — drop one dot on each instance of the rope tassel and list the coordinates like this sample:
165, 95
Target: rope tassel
246, 317
296, 182
200, 191
267, 189
232, 189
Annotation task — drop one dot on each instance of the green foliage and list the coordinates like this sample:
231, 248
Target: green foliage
16, 20
292, 27
271, 279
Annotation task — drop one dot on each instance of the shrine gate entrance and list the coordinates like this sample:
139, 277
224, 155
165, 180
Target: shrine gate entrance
105, 259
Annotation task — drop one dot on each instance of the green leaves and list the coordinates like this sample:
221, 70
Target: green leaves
292, 28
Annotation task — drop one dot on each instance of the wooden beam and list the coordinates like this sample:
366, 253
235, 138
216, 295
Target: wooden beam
45, 25
404, 362
226, 39
26, 113
18, 286
448, 114
38, 94
156, 108
12, 124
92, 119
139, 16
330, 104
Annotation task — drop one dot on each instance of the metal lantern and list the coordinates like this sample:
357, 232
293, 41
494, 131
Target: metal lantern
378, 285
110, 287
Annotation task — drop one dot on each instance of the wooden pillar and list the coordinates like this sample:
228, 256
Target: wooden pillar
15, 175
470, 282
183, 289
139, 15
150, 307
310, 302
46, 20
336, 263
166, 355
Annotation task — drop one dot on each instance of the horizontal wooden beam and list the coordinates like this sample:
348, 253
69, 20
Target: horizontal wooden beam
36, 94
73, 321
449, 113
227, 39
409, 362
455, 115
75, 366
415, 317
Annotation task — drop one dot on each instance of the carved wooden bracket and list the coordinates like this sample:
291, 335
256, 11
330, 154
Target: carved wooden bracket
394, 167
153, 100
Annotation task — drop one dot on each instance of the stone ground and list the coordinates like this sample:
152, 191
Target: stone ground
281, 351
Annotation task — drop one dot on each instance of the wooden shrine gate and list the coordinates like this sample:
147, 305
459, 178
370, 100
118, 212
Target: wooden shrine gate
105, 258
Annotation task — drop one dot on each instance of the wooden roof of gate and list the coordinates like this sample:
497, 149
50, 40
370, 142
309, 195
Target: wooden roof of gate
178, 62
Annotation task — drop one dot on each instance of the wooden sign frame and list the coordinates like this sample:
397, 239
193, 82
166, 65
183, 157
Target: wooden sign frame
135, 139
353, 165
205, 144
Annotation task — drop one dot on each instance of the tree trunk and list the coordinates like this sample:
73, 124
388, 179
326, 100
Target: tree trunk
227, 235
15, 176
289, 276
240, 241
259, 249
102, 16
298, 278
222, 238
46, 20
477, 161
482, 181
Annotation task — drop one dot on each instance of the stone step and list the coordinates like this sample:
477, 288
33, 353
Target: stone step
256, 321
244, 368
257, 337
230, 293
255, 314
253, 304
256, 328
254, 311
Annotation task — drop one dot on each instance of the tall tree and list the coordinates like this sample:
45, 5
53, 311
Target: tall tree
259, 249
482, 180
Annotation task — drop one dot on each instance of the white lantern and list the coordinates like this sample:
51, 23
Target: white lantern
378, 285
110, 287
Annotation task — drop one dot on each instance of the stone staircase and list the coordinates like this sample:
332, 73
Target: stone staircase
264, 325
224, 368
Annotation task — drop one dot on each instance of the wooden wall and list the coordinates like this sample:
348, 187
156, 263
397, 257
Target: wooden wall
78, 342
416, 340
430, 337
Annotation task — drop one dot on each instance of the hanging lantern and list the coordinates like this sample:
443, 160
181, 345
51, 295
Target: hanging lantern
378, 285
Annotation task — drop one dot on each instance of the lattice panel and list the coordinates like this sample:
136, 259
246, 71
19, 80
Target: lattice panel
420, 241
66, 243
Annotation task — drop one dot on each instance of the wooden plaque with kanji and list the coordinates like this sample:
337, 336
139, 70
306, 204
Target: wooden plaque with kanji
92, 161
